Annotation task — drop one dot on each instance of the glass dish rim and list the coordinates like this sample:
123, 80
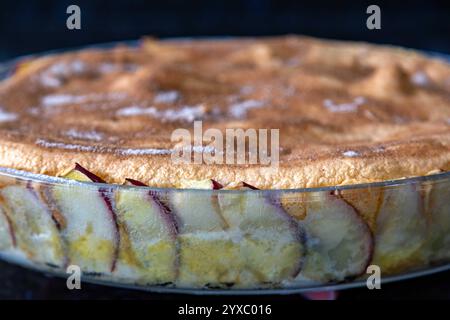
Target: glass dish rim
9, 64
357, 283
59, 181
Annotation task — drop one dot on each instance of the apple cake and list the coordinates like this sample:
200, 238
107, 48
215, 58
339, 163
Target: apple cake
87, 176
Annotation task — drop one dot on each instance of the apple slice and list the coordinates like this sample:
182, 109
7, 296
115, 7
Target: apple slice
200, 184
294, 204
271, 248
34, 228
366, 201
339, 243
148, 233
208, 254
90, 228
7, 238
438, 206
195, 210
401, 230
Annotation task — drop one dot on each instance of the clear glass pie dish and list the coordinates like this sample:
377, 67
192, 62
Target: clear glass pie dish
224, 241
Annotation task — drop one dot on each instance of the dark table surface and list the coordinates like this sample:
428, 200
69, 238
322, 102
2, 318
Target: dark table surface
20, 283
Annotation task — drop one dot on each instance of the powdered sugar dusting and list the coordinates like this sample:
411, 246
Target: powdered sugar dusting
108, 67
344, 107
420, 78
34, 111
50, 81
59, 99
65, 69
62, 145
186, 113
379, 149
55, 74
239, 110
58, 73
166, 97
203, 149
142, 152
247, 90
136, 111
120, 151
84, 135
53, 100
350, 153
7, 116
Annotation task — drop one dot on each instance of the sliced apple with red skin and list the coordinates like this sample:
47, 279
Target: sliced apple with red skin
148, 230
438, 208
401, 230
196, 211
206, 184
271, 248
90, 231
339, 243
245, 185
35, 230
208, 254
366, 202
7, 237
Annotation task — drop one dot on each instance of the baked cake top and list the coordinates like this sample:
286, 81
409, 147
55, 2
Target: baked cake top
346, 112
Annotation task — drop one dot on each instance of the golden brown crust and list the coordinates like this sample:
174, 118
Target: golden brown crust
347, 112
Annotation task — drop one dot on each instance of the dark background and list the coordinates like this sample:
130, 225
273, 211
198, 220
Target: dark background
23, 284
31, 26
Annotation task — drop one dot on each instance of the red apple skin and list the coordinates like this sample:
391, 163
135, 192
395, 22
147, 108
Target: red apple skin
93, 177
107, 199
21, 223
41, 195
412, 253
246, 185
168, 217
135, 183
330, 198
369, 257
105, 195
46, 196
216, 185
274, 201
296, 230
10, 227
371, 238
337, 194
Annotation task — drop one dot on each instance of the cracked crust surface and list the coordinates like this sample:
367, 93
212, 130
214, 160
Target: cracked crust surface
347, 112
